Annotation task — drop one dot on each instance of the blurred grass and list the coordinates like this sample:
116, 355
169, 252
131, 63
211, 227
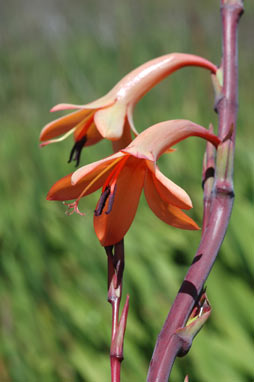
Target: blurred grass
54, 319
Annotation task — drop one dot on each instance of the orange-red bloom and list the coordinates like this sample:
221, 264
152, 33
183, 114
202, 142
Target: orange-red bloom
123, 175
110, 117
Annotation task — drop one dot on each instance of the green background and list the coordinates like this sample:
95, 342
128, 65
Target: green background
54, 318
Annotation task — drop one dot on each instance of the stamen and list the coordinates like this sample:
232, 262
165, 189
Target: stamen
109, 190
102, 201
111, 201
76, 150
80, 138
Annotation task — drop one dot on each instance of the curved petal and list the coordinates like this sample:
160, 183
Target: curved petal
95, 167
71, 186
59, 139
110, 121
110, 228
155, 140
102, 102
64, 190
67, 106
62, 125
170, 192
168, 213
130, 109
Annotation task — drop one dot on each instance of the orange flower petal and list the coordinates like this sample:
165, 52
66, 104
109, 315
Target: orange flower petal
67, 189
111, 228
95, 167
62, 125
170, 192
168, 213
64, 190
92, 135
82, 127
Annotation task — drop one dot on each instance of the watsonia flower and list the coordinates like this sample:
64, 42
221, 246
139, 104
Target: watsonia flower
111, 116
123, 175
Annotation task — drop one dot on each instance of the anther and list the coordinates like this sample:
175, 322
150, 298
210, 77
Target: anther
111, 201
102, 201
76, 150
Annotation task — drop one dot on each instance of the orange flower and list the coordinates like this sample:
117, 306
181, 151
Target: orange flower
122, 177
111, 116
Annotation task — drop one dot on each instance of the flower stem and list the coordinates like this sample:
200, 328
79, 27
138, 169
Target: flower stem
115, 278
217, 217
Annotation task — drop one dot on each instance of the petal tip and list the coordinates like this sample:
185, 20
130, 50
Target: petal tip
43, 144
56, 108
66, 106
194, 226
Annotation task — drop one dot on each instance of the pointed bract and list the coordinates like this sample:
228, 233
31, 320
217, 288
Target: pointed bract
196, 321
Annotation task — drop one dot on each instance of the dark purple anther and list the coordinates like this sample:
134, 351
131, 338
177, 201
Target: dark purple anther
103, 198
111, 201
76, 150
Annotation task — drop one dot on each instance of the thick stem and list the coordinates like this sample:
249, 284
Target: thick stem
208, 180
168, 346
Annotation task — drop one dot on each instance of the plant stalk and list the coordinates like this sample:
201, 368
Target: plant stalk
168, 346
115, 283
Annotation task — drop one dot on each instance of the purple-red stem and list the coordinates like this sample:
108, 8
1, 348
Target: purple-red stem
115, 362
115, 281
208, 180
168, 345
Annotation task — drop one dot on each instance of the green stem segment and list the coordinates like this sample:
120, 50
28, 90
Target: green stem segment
168, 345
